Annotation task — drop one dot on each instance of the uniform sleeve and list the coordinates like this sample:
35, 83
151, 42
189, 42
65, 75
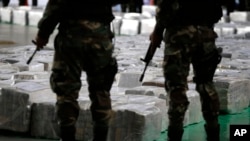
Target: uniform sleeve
163, 13
50, 18
160, 16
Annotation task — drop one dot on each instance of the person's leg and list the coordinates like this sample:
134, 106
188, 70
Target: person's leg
101, 68
5, 3
138, 6
67, 110
23, 2
204, 68
100, 83
231, 6
176, 68
132, 6
124, 7
65, 82
34, 2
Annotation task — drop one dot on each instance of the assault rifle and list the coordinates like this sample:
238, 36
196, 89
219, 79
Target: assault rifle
149, 55
31, 57
151, 51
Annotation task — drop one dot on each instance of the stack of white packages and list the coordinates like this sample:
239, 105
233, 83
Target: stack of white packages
16, 102
34, 16
129, 79
130, 24
140, 109
233, 93
15, 111
6, 14
43, 121
29, 104
147, 24
193, 114
135, 118
20, 15
116, 23
240, 16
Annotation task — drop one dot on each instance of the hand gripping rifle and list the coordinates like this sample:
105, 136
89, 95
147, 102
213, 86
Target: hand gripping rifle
149, 55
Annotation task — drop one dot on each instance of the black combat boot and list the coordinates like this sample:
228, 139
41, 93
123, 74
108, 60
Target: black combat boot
213, 132
175, 134
100, 133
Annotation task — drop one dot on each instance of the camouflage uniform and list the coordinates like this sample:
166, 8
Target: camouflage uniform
83, 43
189, 41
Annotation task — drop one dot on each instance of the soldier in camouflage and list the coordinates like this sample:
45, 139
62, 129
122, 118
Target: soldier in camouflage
189, 39
83, 43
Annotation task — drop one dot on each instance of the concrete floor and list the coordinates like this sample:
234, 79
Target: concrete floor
18, 35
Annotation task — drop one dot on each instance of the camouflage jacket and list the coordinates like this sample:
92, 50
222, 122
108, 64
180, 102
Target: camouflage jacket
188, 12
58, 11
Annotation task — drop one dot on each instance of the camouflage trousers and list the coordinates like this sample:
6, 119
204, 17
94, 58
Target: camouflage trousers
85, 48
185, 46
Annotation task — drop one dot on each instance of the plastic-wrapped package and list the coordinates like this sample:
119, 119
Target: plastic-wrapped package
15, 110
20, 16
233, 93
43, 122
129, 79
34, 16
16, 102
6, 14
30, 107
193, 114
136, 122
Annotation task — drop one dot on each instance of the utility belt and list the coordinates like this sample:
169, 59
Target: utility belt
194, 33
86, 28
205, 33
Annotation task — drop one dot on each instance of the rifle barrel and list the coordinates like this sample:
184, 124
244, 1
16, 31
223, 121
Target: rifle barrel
142, 75
31, 57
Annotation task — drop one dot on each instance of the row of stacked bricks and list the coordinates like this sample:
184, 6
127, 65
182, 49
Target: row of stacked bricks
125, 23
27, 104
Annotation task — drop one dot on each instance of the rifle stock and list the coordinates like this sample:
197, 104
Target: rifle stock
148, 57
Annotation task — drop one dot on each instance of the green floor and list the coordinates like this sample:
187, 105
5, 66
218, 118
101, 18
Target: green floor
196, 132
193, 132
